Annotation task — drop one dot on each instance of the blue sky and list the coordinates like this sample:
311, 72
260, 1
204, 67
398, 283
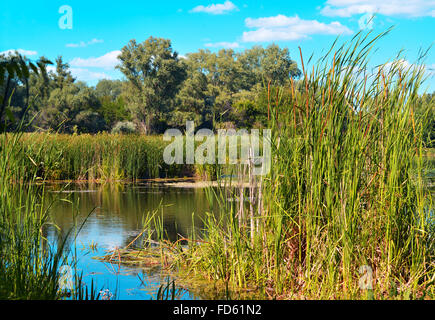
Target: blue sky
101, 28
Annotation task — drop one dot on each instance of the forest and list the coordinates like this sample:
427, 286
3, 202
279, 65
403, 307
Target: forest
160, 90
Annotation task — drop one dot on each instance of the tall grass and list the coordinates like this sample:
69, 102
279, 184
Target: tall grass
345, 194
29, 264
103, 156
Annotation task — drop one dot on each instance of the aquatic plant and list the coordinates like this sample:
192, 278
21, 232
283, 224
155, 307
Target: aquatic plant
52, 156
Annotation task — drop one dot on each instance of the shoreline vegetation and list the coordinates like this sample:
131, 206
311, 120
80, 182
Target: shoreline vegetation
30, 267
102, 157
345, 212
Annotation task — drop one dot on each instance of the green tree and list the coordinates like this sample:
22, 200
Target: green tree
154, 73
62, 77
72, 106
15, 72
40, 86
192, 101
231, 76
113, 106
113, 111
109, 88
272, 64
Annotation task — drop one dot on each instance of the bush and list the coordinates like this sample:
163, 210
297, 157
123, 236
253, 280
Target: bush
89, 122
124, 127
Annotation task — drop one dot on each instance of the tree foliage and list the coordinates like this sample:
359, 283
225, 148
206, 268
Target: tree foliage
160, 90
154, 73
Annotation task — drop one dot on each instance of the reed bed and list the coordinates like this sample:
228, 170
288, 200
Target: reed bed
104, 156
30, 266
101, 157
344, 212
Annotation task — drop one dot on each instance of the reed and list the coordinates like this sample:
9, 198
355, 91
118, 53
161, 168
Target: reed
108, 157
30, 266
344, 213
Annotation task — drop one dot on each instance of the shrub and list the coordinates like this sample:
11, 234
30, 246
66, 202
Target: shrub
124, 127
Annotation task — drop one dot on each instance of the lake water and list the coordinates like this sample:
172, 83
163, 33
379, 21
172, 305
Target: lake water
117, 217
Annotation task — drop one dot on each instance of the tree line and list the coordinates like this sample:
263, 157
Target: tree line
160, 90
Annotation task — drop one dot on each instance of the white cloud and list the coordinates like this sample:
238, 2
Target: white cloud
270, 22
347, 8
228, 45
223, 8
86, 75
107, 61
83, 44
21, 51
286, 28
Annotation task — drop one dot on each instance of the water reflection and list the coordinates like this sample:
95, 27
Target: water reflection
117, 213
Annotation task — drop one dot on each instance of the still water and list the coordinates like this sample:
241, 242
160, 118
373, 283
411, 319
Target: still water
117, 215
